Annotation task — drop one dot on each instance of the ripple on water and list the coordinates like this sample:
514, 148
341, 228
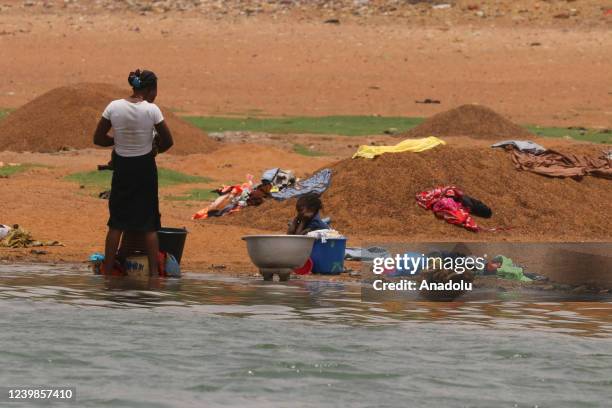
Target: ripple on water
231, 342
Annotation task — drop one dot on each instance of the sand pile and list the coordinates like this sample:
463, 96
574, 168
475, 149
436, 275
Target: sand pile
377, 197
475, 121
66, 117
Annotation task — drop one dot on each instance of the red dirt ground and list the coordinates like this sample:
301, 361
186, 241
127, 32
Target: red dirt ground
475, 121
519, 60
530, 66
65, 117
377, 197
42, 202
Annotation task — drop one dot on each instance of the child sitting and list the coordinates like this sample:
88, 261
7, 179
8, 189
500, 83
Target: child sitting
308, 218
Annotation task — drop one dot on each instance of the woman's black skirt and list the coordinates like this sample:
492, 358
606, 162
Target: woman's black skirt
134, 203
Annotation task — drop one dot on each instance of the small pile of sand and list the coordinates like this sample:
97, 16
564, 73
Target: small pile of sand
66, 117
475, 121
377, 198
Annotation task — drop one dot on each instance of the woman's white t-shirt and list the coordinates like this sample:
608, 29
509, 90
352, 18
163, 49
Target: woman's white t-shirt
133, 124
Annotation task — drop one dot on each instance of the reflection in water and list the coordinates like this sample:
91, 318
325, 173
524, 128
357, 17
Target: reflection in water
315, 301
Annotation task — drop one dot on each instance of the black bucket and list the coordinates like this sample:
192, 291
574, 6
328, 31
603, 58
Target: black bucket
172, 241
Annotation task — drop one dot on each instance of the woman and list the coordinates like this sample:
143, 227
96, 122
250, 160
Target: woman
134, 202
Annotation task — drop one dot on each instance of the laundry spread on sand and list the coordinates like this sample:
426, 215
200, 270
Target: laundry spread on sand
325, 234
505, 268
19, 238
259, 194
277, 183
522, 145
452, 205
529, 156
231, 199
365, 254
316, 184
278, 178
408, 145
555, 164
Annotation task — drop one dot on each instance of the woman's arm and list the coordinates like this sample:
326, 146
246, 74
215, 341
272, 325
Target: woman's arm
101, 137
165, 137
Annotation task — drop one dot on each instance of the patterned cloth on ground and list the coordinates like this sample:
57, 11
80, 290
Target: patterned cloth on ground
317, 184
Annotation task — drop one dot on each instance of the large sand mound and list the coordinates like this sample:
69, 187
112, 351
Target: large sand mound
66, 117
377, 197
475, 121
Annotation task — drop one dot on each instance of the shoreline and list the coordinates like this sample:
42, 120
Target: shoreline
481, 284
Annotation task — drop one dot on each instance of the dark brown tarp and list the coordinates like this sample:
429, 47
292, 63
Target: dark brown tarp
555, 164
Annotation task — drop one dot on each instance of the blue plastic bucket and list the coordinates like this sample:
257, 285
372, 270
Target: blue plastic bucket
328, 257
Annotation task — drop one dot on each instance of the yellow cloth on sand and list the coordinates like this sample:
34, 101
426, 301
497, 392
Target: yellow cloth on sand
408, 145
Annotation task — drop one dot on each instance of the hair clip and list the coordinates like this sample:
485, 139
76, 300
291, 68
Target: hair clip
136, 82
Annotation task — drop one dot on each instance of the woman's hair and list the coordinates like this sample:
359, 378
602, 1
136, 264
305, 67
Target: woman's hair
142, 79
310, 201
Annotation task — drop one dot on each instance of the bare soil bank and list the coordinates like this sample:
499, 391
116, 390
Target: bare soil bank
294, 64
377, 197
65, 118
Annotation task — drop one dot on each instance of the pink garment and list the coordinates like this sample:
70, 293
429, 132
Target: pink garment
441, 200
446, 204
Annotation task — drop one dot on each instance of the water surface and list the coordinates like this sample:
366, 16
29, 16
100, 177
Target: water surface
213, 341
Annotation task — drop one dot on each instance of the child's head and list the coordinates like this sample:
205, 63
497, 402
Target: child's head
309, 204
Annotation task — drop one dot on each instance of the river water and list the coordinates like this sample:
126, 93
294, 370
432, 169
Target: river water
206, 341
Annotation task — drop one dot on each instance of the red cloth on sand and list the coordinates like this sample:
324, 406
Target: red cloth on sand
445, 202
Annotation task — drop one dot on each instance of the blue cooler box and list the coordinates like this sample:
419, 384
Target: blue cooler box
328, 257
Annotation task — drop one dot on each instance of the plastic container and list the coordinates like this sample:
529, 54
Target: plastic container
328, 257
172, 241
137, 266
305, 269
132, 243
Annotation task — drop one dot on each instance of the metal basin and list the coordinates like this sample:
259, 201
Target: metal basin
278, 253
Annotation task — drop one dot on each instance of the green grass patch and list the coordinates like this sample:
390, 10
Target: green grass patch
3, 113
305, 151
196, 194
356, 126
589, 135
6, 170
100, 179
169, 177
166, 177
328, 125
